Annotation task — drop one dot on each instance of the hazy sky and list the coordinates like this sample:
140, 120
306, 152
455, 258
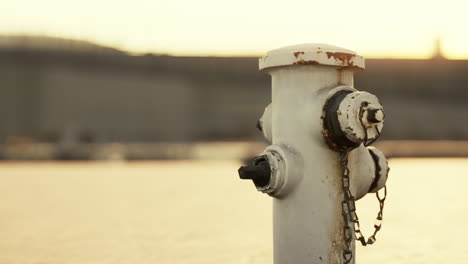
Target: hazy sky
396, 28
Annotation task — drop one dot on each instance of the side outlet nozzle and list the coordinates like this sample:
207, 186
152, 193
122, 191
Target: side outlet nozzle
258, 170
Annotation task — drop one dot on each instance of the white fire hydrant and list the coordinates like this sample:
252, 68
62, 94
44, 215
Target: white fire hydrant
318, 162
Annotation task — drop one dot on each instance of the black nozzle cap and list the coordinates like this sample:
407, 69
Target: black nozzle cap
258, 171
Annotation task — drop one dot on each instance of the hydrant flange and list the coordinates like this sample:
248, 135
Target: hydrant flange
352, 117
282, 174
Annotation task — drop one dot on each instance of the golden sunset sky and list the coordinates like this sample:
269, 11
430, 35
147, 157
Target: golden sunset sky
395, 29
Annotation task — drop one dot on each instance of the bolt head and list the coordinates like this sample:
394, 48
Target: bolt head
360, 116
375, 115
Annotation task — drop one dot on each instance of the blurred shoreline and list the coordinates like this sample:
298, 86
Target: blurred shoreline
238, 150
131, 151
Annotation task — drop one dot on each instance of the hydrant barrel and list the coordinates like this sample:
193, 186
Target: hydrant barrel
307, 222
315, 117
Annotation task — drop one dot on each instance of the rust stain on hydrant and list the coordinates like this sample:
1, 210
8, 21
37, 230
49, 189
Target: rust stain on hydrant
344, 59
297, 53
308, 62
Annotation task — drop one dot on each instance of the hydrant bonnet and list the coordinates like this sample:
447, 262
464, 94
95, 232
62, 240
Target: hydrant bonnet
312, 54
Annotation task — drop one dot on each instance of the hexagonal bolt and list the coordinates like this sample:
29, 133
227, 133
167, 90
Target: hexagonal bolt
375, 115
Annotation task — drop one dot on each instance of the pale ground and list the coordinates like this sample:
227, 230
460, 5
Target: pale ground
200, 212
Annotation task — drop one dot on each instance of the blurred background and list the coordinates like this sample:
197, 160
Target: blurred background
156, 103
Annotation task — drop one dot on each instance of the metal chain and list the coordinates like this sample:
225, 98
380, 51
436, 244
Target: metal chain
347, 231
350, 215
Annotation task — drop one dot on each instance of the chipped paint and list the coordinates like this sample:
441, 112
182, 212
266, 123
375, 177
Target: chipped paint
297, 53
308, 62
342, 58
336, 237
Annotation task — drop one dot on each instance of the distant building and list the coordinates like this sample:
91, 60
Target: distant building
49, 92
438, 49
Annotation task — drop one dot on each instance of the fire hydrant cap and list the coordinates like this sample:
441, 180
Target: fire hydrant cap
312, 54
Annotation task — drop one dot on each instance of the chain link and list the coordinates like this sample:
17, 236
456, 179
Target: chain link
350, 215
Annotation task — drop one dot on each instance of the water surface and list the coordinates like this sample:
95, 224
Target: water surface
200, 212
